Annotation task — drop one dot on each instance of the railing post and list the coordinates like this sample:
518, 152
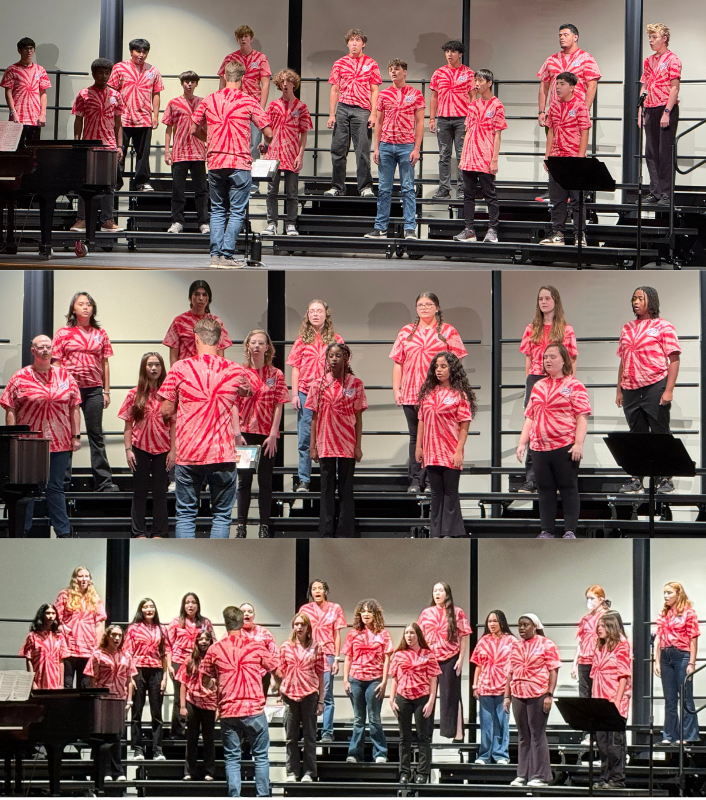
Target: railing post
316, 126
57, 94
633, 62
496, 446
641, 634
111, 30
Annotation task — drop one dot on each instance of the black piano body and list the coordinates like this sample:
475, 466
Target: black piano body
24, 472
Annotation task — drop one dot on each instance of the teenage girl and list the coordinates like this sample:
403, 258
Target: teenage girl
45, 648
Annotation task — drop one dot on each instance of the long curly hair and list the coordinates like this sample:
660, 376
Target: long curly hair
142, 395
77, 599
457, 379
269, 352
558, 329
327, 378
307, 331
420, 638
378, 623
451, 624
37, 625
106, 637
439, 316
652, 300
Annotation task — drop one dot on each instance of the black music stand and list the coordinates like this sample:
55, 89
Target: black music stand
650, 454
590, 714
584, 174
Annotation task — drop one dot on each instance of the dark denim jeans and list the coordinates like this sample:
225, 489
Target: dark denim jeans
672, 664
190, 480
254, 729
230, 194
55, 496
365, 703
329, 702
304, 416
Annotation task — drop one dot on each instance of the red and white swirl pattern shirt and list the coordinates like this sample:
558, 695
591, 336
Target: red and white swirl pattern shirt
309, 360
112, 671
259, 634
150, 433
453, 87
492, 655
137, 85
228, 114
400, 107
554, 406
435, 627
256, 66
535, 350
301, 667
581, 63
26, 83
355, 78
180, 335
288, 120
326, 619
586, 634
484, 119
531, 661
182, 638
196, 693
184, 145
644, 349
442, 411
677, 630
257, 411
148, 644
609, 668
43, 400
567, 120
205, 389
81, 351
413, 671
336, 408
367, 651
79, 625
99, 108
658, 72
237, 663
45, 652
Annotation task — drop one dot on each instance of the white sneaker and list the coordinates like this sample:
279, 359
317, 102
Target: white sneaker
480, 761
503, 761
108, 778
292, 230
230, 263
307, 778
205, 228
159, 757
172, 487
537, 782
351, 760
586, 741
175, 227
138, 756
381, 760
367, 192
215, 260
290, 778
519, 782
147, 188
333, 192
121, 778
270, 230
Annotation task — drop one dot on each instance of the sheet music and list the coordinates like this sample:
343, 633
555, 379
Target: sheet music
15, 685
10, 134
264, 167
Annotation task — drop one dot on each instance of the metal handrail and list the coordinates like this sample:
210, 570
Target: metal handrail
682, 704
676, 156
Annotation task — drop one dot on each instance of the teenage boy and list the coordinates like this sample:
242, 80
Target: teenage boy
26, 85
354, 80
451, 93
479, 160
290, 122
139, 84
185, 153
568, 123
98, 109
399, 130
661, 76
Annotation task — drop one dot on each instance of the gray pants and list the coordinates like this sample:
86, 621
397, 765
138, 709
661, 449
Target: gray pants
291, 187
450, 133
351, 123
105, 205
533, 749
558, 198
612, 746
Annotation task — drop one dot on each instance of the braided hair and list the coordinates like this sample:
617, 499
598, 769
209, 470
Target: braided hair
439, 317
458, 380
325, 382
652, 300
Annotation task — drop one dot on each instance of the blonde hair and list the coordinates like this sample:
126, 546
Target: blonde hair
244, 30
659, 28
78, 599
234, 71
286, 75
306, 329
558, 329
269, 352
683, 601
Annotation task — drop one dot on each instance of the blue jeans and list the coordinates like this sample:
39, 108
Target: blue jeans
254, 729
494, 728
230, 193
304, 416
391, 156
190, 481
672, 664
255, 139
365, 702
55, 496
329, 703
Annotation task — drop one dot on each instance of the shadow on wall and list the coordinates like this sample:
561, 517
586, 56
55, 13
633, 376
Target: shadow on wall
47, 55
321, 61
385, 317
466, 320
428, 55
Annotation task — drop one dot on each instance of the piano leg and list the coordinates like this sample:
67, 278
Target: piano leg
8, 771
47, 204
20, 752
91, 219
54, 755
10, 246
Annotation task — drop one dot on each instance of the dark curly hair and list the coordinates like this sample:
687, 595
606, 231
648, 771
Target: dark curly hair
652, 300
375, 609
37, 625
457, 379
323, 583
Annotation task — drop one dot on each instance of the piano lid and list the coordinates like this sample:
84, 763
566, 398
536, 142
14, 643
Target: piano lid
69, 144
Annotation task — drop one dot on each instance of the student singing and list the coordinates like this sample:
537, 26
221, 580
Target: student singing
45, 649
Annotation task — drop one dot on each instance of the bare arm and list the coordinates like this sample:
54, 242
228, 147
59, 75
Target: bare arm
374, 91
434, 104
167, 144
672, 374
528, 365
106, 383
581, 427
458, 455
397, 382
583, 144
332, 103
173, 356
553, 674
461, 655
264, 90
542, 102
336, 651
182, 699
419, 449
127, 441
550, 144
10, 416
168, 410
78, 127
476, 678
591, 87
42, 119
9, 102
496, 153
524, 439
619, 388
314, 453
693, 651
377, 134
299, 160
382, 688
418, 135
155, 110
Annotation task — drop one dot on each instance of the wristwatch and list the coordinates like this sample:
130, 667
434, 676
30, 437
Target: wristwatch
76, 436
549, 694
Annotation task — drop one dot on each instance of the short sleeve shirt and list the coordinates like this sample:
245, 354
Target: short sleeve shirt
137, 85
180, 335
400, 107
309, 359
492, 655
485, 118
196, 693
182, 638
355, 77
535, 350
567, 120
256, 66
257, 411
112, 671
677, 630
326, 619
26, 84
43, 400
81, 352
530, 664
150, 433
435, 628
367, 651
609, 668
288, 120
416, 354
99, 108
452, 87
336, 407
658, 72
586, 635
554, 407
260, 634
227, 114
79, 625
442, 411
581, 63
413, 671
644, 348
184, 145
45, 652
301, 667
146, 644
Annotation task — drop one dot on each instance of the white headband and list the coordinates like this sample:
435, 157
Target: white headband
536, 621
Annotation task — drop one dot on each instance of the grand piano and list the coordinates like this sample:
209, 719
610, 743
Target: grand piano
24, 472
44, 169
57, 718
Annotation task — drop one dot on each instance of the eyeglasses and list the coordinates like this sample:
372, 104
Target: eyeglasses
424, 306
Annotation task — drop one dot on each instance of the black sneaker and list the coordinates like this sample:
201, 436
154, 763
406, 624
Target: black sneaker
264, 532
663, 202
414, 488
614, 785
665, 486
441, 194
651, 199
302, 487
633, 486
376, 234
241, 532
109, 487
410, 234
528, 487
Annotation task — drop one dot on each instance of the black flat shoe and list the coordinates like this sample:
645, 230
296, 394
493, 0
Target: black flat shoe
404, 779
421, 779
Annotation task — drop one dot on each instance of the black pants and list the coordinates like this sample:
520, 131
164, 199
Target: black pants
612, 746
351, 123
556, 470
198, 179
92, 406
264, 484
346, 503
291, 187
141, 139
445, 516
416, 473
487, 186
533, 748
413, 710
115, 761
148, 684
200, 719
585, 681
450, 701
658, 149
558, 198
301, 714
529, 384
178, 722
150, 476
643, 412
75, 666
31, 133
